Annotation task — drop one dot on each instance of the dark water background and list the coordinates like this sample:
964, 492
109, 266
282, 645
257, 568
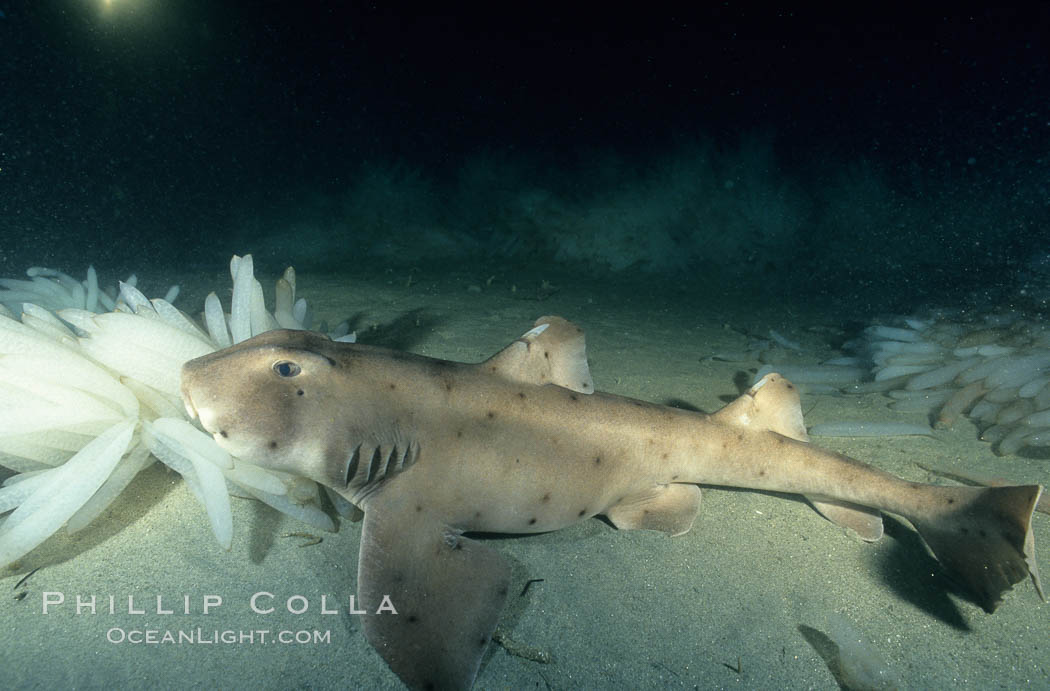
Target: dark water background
885, 158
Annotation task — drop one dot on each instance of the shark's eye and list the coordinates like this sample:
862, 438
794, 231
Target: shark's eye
286, 368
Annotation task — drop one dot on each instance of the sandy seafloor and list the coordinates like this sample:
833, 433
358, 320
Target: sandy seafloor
719, 607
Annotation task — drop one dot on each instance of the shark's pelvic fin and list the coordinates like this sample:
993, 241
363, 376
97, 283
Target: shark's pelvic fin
554, 351
670, 508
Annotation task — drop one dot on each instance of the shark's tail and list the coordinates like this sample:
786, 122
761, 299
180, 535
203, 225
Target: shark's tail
985, 539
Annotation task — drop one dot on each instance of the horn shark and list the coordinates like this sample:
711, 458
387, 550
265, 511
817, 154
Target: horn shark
431, 449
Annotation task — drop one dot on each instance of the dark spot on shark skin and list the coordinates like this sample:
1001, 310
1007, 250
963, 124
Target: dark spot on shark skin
459, 434
573, 397
546, 497
581, 513
532, 521
477, 514
664, 455
299, 392
517, 460
412, 619
419, 508
492, 368
964, 530
448, 385
392, 386
673, 478
483, 642
982, 534
521, 395
490, 415
222, 433
597, 460
546, 355
273, 444
950, 501
502, 592
761, 473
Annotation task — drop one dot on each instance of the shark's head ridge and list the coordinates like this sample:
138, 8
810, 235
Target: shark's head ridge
260, 398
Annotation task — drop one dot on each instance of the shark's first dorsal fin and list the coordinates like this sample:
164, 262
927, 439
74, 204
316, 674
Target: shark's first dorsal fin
771, 404
552, 352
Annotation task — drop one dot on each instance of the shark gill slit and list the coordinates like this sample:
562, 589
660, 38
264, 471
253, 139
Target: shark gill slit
353, 462
375, 465
383, 462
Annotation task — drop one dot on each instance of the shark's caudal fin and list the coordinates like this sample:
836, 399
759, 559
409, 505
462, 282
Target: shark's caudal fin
987, 543
982, 536
773, 404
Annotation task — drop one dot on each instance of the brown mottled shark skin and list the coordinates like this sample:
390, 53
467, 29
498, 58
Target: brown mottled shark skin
520, 443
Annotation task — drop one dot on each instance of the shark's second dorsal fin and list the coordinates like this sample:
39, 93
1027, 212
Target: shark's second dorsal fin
552, 352
771, 404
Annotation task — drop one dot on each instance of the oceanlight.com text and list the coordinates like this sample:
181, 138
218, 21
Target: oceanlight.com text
200, 636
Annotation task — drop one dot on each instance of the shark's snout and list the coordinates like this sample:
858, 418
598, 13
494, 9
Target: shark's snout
205, 414
194, 409
188, 402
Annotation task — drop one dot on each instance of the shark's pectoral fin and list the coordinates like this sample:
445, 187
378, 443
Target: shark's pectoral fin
448, 592
864, 521
670, 508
